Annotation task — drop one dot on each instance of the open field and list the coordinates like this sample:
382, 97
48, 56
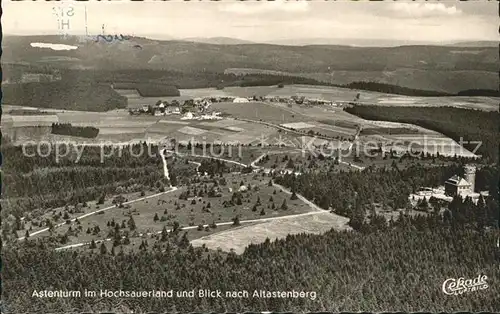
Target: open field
37, 222
331, 122
237, 239
152, 239
323, 92
200, 207
259, 110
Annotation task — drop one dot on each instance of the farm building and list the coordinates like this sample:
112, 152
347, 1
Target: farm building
166, 108
187, 116
240, 100
172, 109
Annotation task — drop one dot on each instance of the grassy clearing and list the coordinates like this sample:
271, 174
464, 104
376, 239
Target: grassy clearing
259, 111
223, 205
237, 239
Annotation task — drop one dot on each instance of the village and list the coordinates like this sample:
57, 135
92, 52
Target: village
199, 108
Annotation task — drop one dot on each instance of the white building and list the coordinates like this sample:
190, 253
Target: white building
187, 116
240, 100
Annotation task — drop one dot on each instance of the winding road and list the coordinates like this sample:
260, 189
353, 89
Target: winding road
315, 209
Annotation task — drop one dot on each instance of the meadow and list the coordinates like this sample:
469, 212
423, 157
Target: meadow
238, 239
205, 203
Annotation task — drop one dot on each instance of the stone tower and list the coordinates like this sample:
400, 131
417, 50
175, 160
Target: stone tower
470, 176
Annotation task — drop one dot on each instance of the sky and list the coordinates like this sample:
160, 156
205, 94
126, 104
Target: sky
434, 22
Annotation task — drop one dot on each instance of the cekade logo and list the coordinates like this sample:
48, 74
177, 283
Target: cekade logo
459, 286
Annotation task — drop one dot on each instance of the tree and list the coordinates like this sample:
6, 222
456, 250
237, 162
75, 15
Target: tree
236, 221
156, 218
176, 227
284, 206
131, 224
101, 199
184, 242
92, 245
239, 201
164, 234
294, 196
103, 249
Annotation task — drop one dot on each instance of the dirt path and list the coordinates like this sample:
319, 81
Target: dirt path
194, 227
101, 210
315, 209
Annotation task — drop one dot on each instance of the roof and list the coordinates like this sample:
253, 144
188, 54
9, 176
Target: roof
457, 180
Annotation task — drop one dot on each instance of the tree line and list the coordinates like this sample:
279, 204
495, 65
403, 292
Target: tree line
85, 96
78, 131
375, 269
472, 126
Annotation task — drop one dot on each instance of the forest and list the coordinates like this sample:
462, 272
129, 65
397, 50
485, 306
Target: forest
395, 266
393, 89
354, 194
400, 90
149, 89
89, 96
456, 123
372, 268
479, 92
181, 80
78, 131
33, 185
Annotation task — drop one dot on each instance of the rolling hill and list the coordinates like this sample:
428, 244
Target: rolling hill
444, 69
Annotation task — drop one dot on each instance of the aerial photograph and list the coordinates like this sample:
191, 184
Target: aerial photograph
254, 156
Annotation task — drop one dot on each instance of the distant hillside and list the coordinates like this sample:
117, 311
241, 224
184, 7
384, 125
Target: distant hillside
443, 69
219, 41
491, 44
63, 95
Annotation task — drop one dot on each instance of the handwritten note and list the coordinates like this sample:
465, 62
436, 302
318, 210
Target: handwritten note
110, 38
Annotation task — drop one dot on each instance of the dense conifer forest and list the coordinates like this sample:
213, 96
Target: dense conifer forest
457, 123
85, 96
400, 266
78, 131
393, 89
31, 184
